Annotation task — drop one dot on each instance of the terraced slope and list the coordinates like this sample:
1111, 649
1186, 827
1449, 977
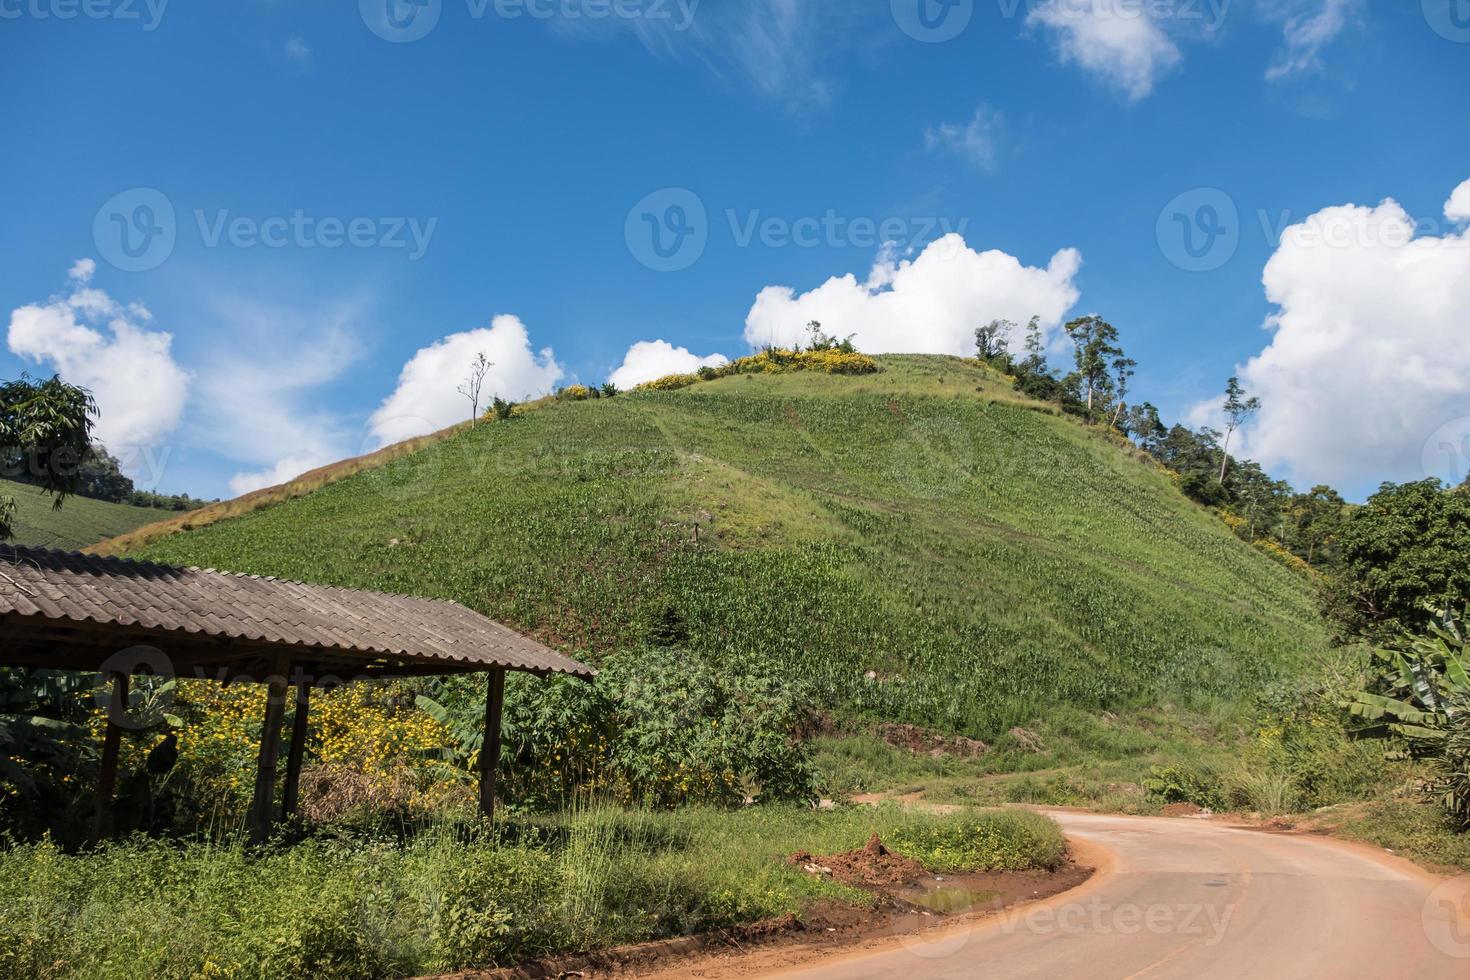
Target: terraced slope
81, 522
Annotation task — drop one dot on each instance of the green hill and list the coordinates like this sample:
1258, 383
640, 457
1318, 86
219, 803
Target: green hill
81, 521
921, 545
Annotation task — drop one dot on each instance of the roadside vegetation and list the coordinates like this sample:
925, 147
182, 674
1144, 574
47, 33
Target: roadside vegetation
361, 902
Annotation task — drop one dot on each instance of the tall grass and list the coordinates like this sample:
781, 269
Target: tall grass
453, 897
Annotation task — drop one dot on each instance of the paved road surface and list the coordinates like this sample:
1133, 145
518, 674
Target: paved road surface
1193, 899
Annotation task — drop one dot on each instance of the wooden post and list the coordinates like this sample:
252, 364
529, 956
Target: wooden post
299, 725
490, 747
111, 743
262, 807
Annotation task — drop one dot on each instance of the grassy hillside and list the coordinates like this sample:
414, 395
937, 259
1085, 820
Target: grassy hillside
921, 545
80, 522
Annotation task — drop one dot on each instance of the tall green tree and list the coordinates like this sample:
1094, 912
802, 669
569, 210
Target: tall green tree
993, 339
1095, 343
1403, 556
1238, 410
47, 427
1035, 361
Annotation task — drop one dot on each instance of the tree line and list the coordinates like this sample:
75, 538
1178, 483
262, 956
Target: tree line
1393, 564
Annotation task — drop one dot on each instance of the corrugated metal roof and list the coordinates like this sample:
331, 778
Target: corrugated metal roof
56, 587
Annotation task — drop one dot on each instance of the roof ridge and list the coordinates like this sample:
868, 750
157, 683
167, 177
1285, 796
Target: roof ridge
85, 556
323, 585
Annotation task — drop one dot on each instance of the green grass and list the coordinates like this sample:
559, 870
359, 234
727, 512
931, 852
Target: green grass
1419, 831
992, 563
448, 899
80, 522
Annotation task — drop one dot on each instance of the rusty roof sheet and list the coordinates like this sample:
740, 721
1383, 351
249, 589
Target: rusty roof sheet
71, 587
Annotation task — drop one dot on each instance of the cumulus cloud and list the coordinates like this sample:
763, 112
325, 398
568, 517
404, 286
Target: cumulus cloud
1457, 208
1120, 42
427, 398
927, 305
1308, 26
976, 141
93, 341
650, 359
1369, 355
264, 388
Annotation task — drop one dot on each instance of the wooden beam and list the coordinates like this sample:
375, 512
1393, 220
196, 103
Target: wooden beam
111, 743
262, 807
299, 723
490, 747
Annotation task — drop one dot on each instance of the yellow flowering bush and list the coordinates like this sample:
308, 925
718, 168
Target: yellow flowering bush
772, 360
369, 729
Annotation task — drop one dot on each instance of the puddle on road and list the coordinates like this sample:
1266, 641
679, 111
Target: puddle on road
948, 898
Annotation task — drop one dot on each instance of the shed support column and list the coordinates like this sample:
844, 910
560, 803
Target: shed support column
111, 743
490, 747
262, 808
298, 749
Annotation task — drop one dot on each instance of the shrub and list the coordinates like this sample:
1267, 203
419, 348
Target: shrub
1007, 840
498, 905
1180, 783
669, 382
660, 727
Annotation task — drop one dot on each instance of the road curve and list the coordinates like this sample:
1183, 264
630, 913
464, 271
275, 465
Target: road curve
1181, 898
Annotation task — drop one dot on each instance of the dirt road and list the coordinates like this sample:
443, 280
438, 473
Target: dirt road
1186, 898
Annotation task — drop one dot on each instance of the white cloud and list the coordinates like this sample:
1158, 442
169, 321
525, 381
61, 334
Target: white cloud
427, 396
1457, 208
298, 50
95, 342
929, 305
1369, 355
261, 391
1308, 26
284, 471
650, 359
1117, 40
976, 141
777, 46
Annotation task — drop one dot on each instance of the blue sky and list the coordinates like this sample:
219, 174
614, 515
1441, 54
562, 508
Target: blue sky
517, 167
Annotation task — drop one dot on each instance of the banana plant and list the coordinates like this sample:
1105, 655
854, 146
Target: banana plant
1423, 686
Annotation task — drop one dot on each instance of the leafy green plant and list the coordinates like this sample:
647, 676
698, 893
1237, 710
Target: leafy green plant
1422, 681
1186, 784
1423, 696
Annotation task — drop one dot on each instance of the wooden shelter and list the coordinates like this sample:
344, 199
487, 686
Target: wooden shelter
70, 611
